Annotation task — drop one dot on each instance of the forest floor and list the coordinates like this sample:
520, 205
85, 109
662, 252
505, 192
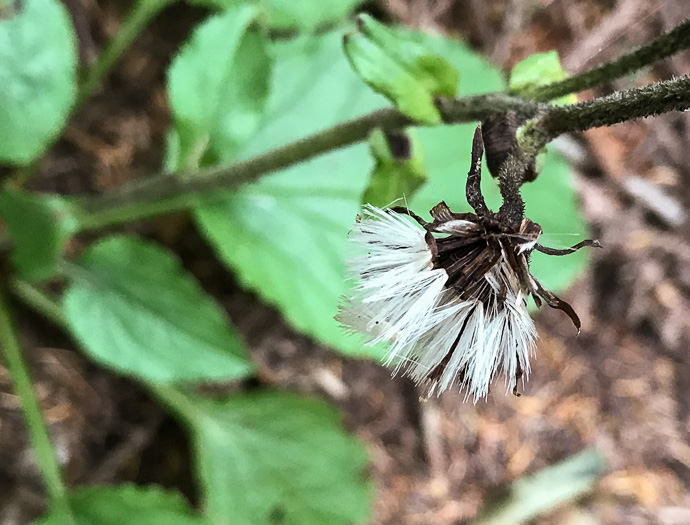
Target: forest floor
623, 385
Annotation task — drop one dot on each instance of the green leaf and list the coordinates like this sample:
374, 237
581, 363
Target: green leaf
402, 68
391, 79
135, 309
399, 170
303, 15
40, 227
126, 503
277, 458
531, 497
538, 70
413, 52
218, 87
307, 15
38, 75
286, 235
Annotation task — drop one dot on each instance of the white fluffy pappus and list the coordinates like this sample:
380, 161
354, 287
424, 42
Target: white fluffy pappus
434, 335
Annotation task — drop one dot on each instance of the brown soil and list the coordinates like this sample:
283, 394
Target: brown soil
623, 385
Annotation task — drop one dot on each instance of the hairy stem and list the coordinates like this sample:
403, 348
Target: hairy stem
662, 97
171, 192
647, 101
664, 46
38, 433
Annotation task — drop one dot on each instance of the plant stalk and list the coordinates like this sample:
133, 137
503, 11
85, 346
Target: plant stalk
172, 192
43, 304
176, 191
38, 433
668, 44
138, 18
647, 101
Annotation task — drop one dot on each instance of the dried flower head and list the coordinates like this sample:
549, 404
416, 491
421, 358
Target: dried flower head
450, 296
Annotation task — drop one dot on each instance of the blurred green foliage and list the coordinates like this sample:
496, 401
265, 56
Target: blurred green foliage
38, 78
399, 170
537, 70
137, 505
40, 226
218, 85
401, 68
136, 310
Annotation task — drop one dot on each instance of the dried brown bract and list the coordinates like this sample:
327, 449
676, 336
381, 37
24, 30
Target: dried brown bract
450, 296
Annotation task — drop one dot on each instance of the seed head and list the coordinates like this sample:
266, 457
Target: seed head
449, 296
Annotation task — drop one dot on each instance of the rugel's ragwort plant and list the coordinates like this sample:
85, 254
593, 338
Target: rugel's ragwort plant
448, 295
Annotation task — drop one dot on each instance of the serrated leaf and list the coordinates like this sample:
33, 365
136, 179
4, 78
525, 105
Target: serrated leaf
40, 227
218, 86
401, 68
399, 170
303, 15
277, 458
38, 75
530, 497
286, 235
386, 76
537, 70
136, 310
126, 503
437, 74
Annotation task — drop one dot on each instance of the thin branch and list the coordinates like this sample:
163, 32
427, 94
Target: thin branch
38, 433
647, 101
662, 97
664, 46
142, 13
169, 192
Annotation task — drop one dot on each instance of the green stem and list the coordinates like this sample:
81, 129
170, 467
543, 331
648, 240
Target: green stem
666, 45
38, 433
137, 19
175, 400
171, 192
38, 301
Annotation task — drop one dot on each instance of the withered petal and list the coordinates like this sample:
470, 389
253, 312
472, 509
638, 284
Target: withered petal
406, 211
591, 243
441, 212
555, 302
473, 188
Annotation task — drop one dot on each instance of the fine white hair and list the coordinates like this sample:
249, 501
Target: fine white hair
399, 297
